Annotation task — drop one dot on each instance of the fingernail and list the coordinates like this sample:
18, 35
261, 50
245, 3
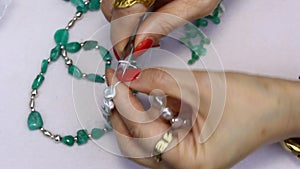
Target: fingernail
129, 75
116, 54
142, 47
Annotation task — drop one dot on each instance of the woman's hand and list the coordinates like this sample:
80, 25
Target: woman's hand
168, 15
257, 111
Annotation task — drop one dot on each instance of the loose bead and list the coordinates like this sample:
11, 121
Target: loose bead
44, 66
34, 121
61, 36
68, 140
75, 71
95, 78
82, 137
97, 133
88, 45
55, 53
73, 47
38, 81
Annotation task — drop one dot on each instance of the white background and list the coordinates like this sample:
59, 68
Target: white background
255, 36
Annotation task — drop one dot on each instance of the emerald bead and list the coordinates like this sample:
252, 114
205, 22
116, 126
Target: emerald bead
191, 61
88, 45
82, 137
38, 81
82, 9
68, 140
216, 20
55, 53
34, 121
61, 36
73, 47
201, 22
94, 5
203, 51
75, 71
97, 133
107, 66
44, 66
195, 56
95, 78
78, 2
105, 54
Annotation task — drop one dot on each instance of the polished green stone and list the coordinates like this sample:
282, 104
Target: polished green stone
34, 121
205, 41
68, 140
38, 81
55, 53
61, 36
203, 51
78, 2
97, 133
195, 56
191, 61
44, 66
94, 5
192, 33
88, 45
75, 71
105, 53
95, 78
82, 137
201, 22
73, 47
82, 9
216, 20
107, 66
108, 127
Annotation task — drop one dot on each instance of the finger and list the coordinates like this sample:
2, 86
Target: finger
171, 16
106, 8
123, 24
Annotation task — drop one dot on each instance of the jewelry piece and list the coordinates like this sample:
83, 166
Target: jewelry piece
161, 146
129, 3
292, 145
61, 37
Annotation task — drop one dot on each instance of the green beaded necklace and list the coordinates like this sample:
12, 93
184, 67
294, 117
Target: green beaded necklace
63, 47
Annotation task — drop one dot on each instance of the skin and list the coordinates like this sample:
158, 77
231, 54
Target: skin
156, 25
258, 110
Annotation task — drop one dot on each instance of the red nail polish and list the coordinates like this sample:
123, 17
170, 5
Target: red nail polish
142, 47
116, 54
130, 74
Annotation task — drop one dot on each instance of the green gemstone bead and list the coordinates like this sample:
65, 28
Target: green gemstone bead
201, 22
105, 54
108, 127
34, 121
61, 36
191, 61
97, 133
107, 66
75, 71
73, 47
55, 53
94, 5
82, 9
192, 33
82, 137
44, 66
88, 45
203, 51
195, 56
95, 78
78, 2
38, 81
216, 20
205, 41
68, 140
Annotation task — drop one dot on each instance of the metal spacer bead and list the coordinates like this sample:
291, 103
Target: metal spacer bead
105, 130
90, 136
34, 93
32, 109
42, 129
64, 53
108, 62
86, 2
46, 133
84, 75
69, 62
97, 47
32, 103
75, 138
82, 44
78, 15
57, 138
48, 60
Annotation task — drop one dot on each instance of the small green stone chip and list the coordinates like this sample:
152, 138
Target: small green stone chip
38, 81
97, 133
68, 140
34, 121
82, 137
44, 66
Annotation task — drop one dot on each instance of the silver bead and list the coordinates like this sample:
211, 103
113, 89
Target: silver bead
108, 62
109, 104
78, 15
84, 75
166, 113
34, 93
47, 133
48, 60
71, 23
64, 53
86, 2
69, 62
32, 104
109, 92
82, 44
97, 47
57, 138
75, 138
176, 122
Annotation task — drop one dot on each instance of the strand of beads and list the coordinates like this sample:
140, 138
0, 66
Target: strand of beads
61, 36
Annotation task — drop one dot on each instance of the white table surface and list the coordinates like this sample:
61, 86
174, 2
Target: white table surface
255, 36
